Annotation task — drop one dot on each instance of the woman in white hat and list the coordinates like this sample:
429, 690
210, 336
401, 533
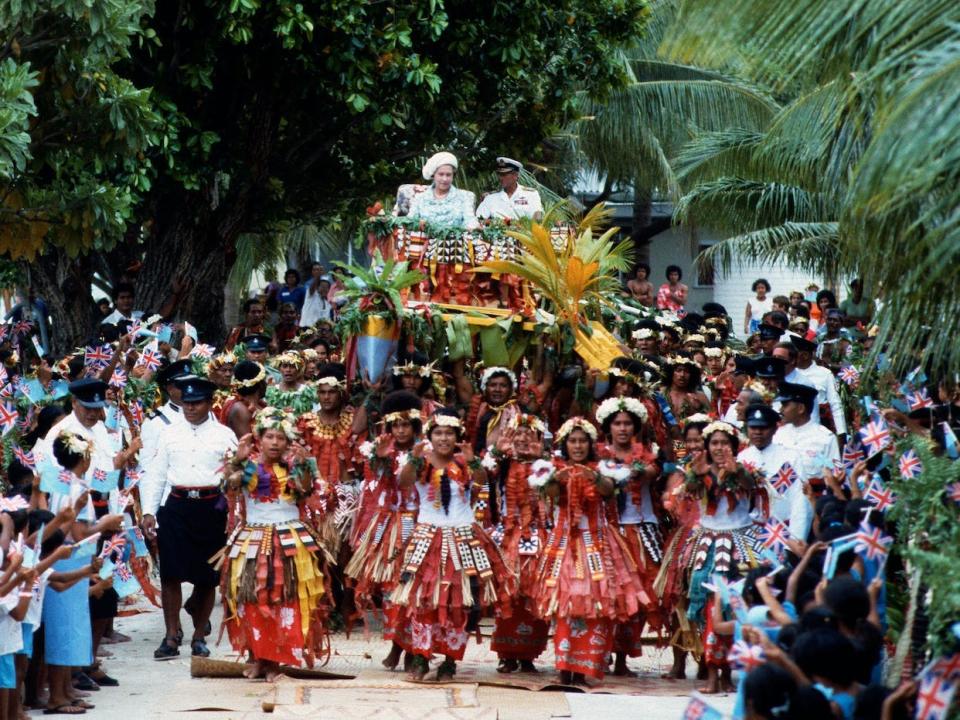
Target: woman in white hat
442, 203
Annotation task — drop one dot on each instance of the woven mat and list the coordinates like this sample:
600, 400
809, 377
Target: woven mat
335, 712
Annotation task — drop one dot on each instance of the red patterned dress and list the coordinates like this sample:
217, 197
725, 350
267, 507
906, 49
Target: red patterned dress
520, 528
450, 567
587, 580
385, 521
635, 516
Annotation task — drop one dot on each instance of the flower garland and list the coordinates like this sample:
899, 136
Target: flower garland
576, 423
497, 370
612, 406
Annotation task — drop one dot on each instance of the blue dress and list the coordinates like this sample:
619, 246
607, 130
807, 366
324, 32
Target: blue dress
454, 210
68, 637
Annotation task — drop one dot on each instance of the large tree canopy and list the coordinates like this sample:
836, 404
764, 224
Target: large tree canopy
142, 136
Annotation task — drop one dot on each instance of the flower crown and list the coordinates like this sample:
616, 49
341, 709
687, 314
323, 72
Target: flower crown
697, 418
694, 338
330, 380
678, 360
412, 414
713, 352
721, 426
497, 370
222, 359
442, 421
644, 333
611, 406
289, 358
528, 421
76, 443
411, 368
271, 418
576, 423
255, 380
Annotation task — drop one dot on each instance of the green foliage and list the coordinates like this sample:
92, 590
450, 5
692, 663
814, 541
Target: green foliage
928, 525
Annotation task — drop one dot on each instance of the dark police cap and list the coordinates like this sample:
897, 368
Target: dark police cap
760, 415
803, 345
257, 343
195, 389
89, 392
173, 371
794, 392
770, 332
769, 367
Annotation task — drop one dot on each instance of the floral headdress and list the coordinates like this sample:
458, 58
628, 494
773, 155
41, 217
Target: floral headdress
412, 414
411, 368
309, 355
450, 421
497, 370
250, 382
576, 423
289, 358
677, 360
528, 421
644, 333
694, 338
331, 381
221, 360
612, 406
696, 419
271, 418
721, 426
76, 443
713, 352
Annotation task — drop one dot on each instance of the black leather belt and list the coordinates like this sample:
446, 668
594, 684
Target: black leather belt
187, 493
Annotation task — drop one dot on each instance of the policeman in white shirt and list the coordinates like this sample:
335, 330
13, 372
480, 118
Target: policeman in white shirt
815, 445
183, 509
165, 415
790, 506
513, 201
86, 420
809, 373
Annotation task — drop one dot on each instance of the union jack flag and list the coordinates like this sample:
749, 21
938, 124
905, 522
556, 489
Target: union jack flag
697, 709
852, 454
746, 657
202, 351
119, 378
783, 478
65, 476
849, 375
116, 544
135, 327
99, 474
8, 417
910, 465
132, 477
872, 541
953, 492
7, 391
3, 372
97, 356
948, 667
774, 535
151, 358
875, 436
123, 572
24, 458
919, 400
934, 697
23, 328
136, 413
882, 496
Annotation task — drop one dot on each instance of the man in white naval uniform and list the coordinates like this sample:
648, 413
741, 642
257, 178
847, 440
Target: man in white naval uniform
790, 506
809, 373
513, 201
815, 445
183, 509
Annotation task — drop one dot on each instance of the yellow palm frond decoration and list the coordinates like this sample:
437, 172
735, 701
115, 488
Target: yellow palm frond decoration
571, 278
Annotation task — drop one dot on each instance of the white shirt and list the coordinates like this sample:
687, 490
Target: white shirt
819, 377
816, 447
153, 427
315, 307
525, 202
106, 445
11, 637
117, 317
187, 456
724, 518
35, 609
459, 512
792, 506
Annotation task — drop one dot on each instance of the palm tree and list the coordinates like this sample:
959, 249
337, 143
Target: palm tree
857, 174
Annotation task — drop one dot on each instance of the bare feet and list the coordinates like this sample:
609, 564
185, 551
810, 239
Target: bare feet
418, 668
508, 665
271, 671
620, 668
255, 670
392, 659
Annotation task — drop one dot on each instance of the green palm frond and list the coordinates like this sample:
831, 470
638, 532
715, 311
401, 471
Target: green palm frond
806, 246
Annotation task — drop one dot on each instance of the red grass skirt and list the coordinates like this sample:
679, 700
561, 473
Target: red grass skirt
447, 572
377, 558
582, 646
522, 636
569, 588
